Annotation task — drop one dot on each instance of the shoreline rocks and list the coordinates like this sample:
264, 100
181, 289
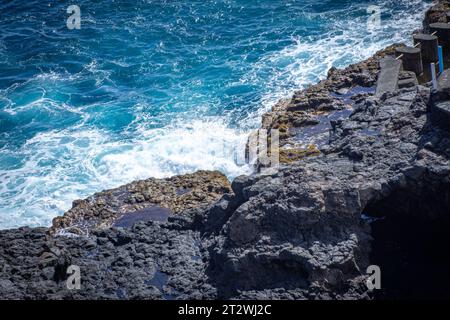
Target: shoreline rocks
145, 198
295, 234
304, 231
437, 13
304, 120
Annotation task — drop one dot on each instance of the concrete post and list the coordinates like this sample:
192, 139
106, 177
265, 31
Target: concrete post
428, 44
411, 58
442, 32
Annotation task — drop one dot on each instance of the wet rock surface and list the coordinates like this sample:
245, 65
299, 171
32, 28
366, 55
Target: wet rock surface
294, 234
437, 13
148, 261
377, 191
150, 199
304, 120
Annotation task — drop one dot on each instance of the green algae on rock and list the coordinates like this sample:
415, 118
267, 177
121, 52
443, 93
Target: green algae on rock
296, 154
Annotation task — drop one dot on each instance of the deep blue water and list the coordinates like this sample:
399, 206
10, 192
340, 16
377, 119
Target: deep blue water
157, 88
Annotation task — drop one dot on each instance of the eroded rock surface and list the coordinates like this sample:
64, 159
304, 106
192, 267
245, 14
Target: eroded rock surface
303, 121
296, 234
303, 232
437, 13
145, 199
301, 228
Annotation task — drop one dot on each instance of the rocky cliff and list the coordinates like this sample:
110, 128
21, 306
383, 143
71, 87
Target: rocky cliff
376, 191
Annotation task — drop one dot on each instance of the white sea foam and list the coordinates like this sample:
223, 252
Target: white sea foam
58, 167
348, 41
61, 166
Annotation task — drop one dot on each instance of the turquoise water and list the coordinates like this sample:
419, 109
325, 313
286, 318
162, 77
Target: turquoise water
157, 88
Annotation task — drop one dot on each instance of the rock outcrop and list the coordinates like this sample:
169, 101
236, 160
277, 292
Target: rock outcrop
309, 230
295, 234
303, 121
437, 13
150, 199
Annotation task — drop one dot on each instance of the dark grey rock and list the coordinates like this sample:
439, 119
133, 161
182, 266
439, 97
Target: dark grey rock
294, 234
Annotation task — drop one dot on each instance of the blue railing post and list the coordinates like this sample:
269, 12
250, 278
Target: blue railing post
441, 60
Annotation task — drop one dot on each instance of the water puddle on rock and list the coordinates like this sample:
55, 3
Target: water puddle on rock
154, 213
121, 293
347, 96
319, 134
197, 256
370, 219
370, 132
159, 281
182, 191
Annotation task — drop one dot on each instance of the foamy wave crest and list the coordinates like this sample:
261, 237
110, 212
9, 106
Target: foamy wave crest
59, 167
349, 40
89, 152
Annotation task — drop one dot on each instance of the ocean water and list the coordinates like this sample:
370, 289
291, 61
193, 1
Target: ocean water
157, 88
